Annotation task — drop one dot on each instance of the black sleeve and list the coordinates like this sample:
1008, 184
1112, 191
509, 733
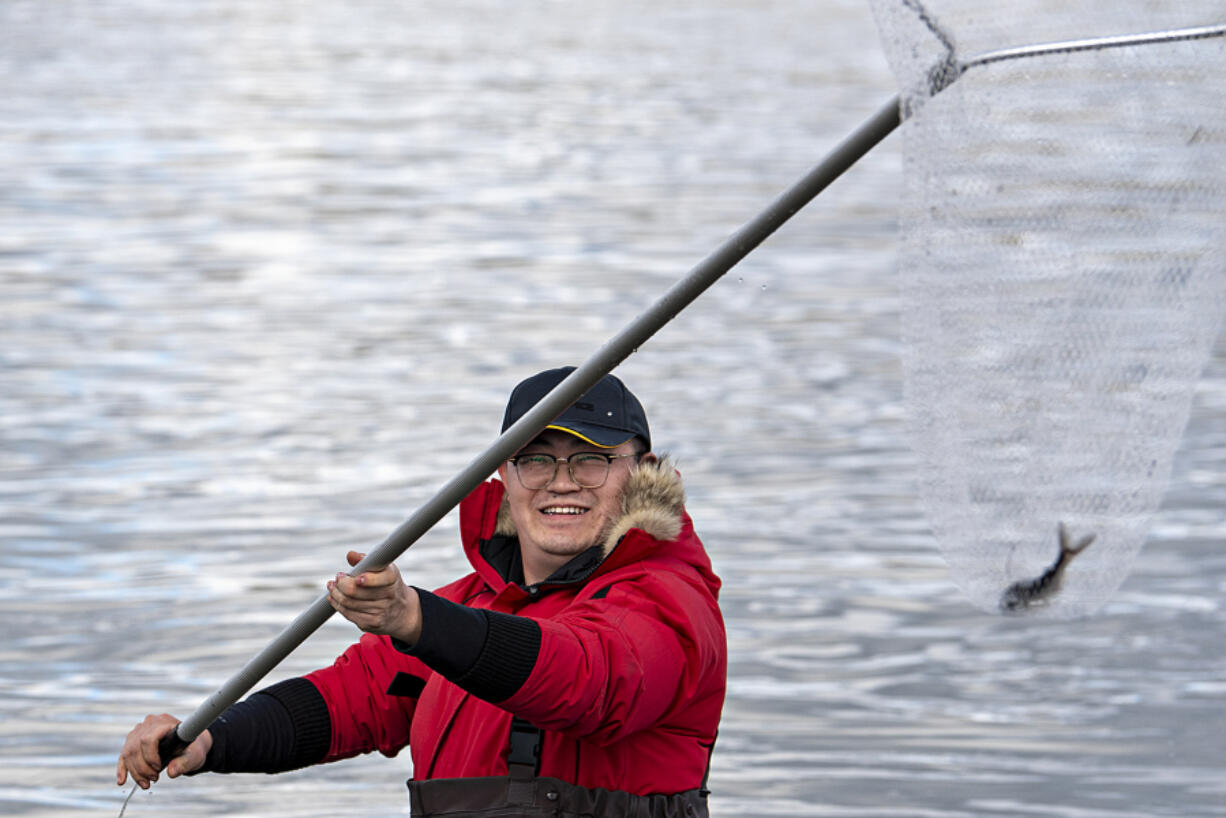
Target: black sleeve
489, 654
279, 728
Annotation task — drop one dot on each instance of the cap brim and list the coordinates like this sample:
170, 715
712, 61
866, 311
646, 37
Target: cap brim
598, 436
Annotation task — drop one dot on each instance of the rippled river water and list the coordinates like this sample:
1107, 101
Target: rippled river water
267, 271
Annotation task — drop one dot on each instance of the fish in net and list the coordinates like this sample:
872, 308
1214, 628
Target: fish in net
1061, 271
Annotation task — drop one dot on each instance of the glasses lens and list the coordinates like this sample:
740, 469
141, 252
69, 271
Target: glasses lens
535, 470
589, 470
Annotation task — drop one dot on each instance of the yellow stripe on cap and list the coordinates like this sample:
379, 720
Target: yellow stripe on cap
586, 439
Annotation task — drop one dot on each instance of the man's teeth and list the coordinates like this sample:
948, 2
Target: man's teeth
564, 510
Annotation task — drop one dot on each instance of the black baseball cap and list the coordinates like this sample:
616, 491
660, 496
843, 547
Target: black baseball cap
607, 415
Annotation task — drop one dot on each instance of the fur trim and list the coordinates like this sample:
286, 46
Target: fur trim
652, 500
505, 527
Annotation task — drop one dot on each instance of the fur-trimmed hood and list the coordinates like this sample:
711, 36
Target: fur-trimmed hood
653, 500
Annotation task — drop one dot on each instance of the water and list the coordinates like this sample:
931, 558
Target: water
268, 272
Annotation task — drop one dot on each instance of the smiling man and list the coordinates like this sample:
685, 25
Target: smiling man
578, 670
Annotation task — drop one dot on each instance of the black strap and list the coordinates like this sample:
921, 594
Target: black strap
702, 788
524, 757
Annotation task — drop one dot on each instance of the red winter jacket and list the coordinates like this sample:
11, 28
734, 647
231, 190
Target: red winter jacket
620, 657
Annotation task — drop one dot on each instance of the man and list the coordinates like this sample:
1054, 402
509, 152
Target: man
579, 670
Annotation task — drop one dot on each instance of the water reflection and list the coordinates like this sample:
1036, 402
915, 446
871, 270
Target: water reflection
268, 271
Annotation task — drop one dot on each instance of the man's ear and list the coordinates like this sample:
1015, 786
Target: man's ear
649, 457
502, 472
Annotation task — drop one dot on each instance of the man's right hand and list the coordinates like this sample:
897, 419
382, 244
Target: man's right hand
139, 756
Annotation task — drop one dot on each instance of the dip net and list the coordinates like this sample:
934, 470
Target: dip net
1061, 269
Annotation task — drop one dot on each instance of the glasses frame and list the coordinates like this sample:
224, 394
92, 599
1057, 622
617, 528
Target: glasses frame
609, 458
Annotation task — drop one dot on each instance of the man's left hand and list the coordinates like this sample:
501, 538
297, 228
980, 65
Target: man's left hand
377, 601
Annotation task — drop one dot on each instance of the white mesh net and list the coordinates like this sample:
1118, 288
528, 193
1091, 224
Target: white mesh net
1062, 276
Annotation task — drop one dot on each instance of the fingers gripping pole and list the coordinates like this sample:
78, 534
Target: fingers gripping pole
171, 745
603, 361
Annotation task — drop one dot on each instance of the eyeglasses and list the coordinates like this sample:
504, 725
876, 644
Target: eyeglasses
589, 470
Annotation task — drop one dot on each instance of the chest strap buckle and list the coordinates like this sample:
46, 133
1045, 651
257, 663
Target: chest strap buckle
524, 757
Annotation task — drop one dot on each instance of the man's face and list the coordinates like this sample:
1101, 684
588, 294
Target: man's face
563, 519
